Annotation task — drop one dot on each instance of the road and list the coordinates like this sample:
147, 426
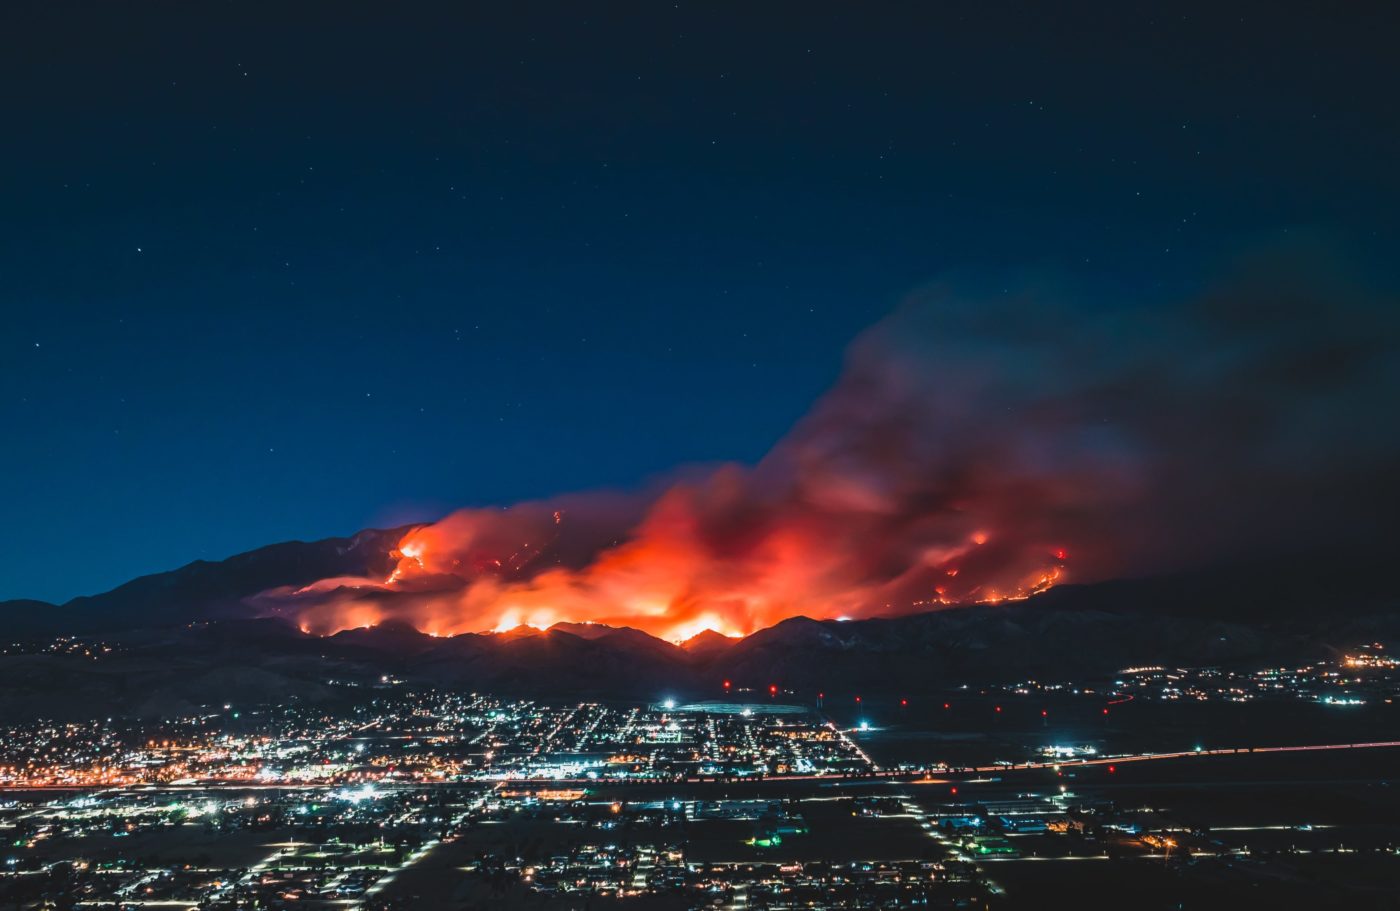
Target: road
913, 777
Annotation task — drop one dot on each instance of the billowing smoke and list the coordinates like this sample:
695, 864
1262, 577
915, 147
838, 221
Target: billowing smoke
974, 450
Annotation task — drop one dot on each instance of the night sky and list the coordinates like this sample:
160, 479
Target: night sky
284, 271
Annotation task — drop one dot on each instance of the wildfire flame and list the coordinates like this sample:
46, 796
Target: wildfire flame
670, 578
410, 556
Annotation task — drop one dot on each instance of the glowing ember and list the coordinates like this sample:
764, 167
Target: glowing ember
409, 555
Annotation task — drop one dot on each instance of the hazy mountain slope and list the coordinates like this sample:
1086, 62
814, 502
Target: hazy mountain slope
205, 589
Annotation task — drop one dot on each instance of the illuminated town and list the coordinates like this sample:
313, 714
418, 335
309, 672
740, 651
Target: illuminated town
757, 798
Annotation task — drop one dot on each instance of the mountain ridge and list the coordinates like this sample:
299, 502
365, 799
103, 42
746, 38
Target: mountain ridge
187, 638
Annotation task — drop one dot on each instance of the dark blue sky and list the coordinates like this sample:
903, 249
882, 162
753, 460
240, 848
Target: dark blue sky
277, 272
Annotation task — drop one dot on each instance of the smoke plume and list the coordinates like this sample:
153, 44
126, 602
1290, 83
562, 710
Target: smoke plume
974, 450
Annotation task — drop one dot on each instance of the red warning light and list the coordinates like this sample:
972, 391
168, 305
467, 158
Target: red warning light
998, 708
952, 790
904, 702
1105, 711
947, 705
1044, 714
772, 689
1112, 768
726, 684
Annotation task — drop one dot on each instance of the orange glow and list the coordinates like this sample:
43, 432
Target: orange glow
471, 573
694, 627
410, 555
